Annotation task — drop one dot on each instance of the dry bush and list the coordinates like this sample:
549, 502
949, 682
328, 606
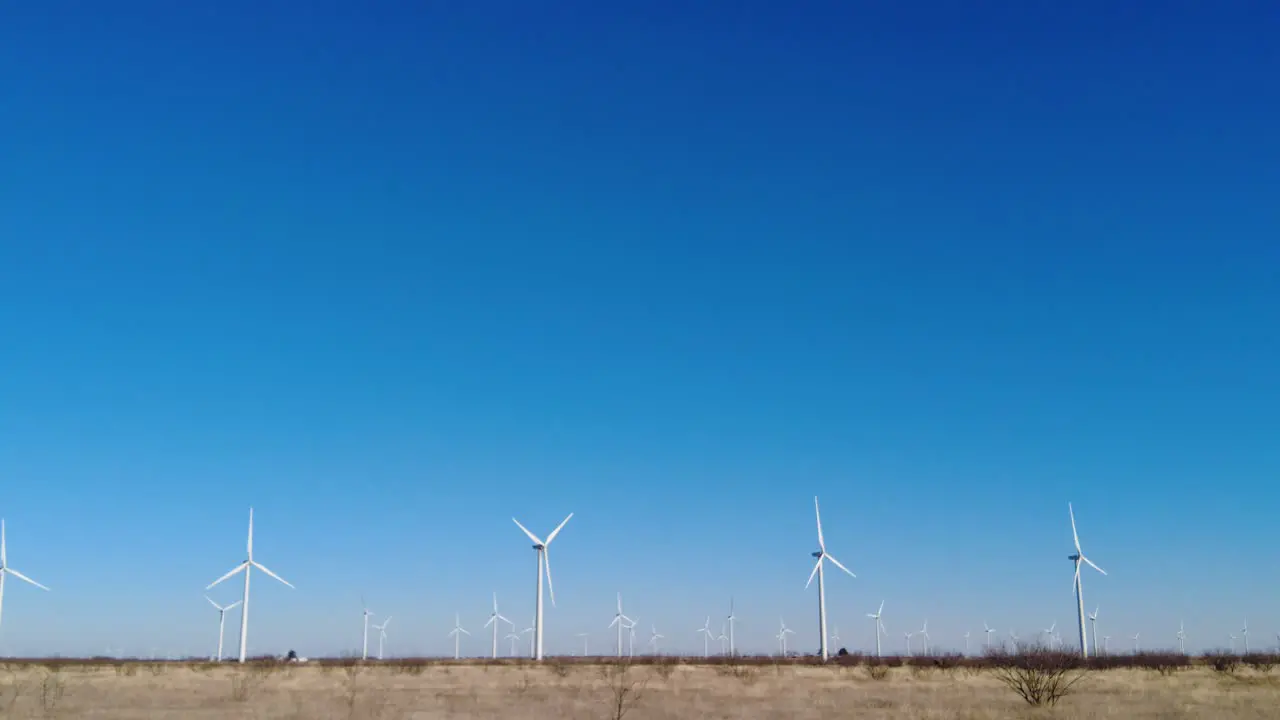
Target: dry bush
1222, 662
625, 687
1165, 663
1038, 675
1261, 662
665, 667
876, 670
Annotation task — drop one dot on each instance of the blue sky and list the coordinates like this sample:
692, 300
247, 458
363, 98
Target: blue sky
392, 275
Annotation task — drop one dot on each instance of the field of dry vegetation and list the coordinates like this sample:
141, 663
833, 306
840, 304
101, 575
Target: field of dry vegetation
663, 688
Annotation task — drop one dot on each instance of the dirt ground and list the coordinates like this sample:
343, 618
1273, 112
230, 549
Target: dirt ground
169, 691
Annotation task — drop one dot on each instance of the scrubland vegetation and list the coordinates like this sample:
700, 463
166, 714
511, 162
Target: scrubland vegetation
1031, 683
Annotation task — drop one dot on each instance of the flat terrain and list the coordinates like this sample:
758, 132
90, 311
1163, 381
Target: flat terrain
169, 691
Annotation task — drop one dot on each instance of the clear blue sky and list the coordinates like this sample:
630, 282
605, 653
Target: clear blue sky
392, 275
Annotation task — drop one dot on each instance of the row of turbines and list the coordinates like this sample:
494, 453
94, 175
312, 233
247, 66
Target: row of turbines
622, 624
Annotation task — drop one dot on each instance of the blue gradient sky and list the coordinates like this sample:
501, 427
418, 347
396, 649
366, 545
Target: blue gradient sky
392, 275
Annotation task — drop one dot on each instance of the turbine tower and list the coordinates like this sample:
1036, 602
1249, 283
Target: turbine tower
1182, 638
6, 570
544, 561
879, 625
1135, 641
364, 646
783, 631
246, 567
822, 555
1245, 634
456, 633
620, 621
654, 637
732, 619
1077, 559
585, 637
493, 620
924, 632
222, 621
988, 630
382, 634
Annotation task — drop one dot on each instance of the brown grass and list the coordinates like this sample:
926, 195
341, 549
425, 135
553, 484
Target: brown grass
603, 689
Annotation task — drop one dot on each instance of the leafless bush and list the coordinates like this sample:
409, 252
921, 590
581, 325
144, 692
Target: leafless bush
1165, 663
1038, 675
1222, 662
625, 687
1262, 662
560, 668
876, 670
665, 667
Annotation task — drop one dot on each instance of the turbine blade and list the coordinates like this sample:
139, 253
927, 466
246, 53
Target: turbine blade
821, 543
503, 619
881, 610
237, 569
546, 561
1074, 534
616, 620
214, 604
464, 632
277, 577
833, 559
232, 605
559, 527
492, 619
24, 578
1095, 567
811, 574
536, 540
3, 559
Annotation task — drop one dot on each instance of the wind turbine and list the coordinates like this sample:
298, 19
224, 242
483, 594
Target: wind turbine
1106, 644
456, 633
246, 567
514, 638
835, 637
924, 631
364, 646
1232, 646
988, 630
529, 631
1077, 559
631, 639
1049, 634
493, 620
966, 642
1182, 638
879, 625
783, 631
723, 639
6, 570
222, 621
654, 637
1135, 641
732, 619
1093, 621
822, 555
706, 637
906, 637
584, 637
544, 561
1245, 634
382, 634
620, 621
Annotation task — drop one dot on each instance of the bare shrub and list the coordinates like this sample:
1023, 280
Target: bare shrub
1261, 662
876, 670
1038, 675
665, 667
560, 668
625, 687
1165, 663
1222, 662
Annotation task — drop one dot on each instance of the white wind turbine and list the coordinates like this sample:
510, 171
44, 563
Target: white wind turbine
732, 619
493, 620
1135, 641
706, 634
364, 646
514, 638
1245, 633
529, 631
1078, 558
879, 625
544, 561
966, 642
584, 637
1232, 646
246, 567
631, 639
6, 570
654, 637
456, 633
724, 639
222, 621
620, 621
783, 631
988, 630
1182, 638
906, 638
382, 634
835, 636
1106, 644
1093, 623
822, 555
924, 632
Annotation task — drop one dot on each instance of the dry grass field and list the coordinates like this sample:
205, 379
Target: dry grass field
558, 689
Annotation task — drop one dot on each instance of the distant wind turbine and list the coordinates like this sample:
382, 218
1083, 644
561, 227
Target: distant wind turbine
1078, 558
620, 621
906, 637
732, 619
783, 631
364, 645
822, 556
6, 570
382, 634
222, 620
493, 620
987, 629
1093, 623
246, 567
584, 637
544, 561
724, 639
1135, 641
924, 632
880, 627
1182, 638
514, 638
1245, 633
456, 633
706, 633
654, 637
966, 642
